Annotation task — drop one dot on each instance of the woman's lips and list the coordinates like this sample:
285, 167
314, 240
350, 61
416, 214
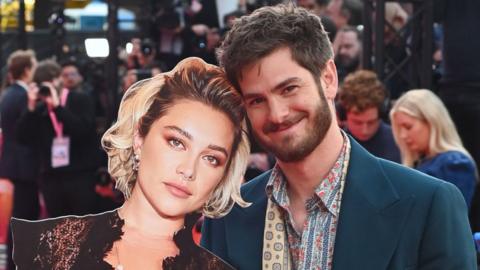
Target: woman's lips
178, 190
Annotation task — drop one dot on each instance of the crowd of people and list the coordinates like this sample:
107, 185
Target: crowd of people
296, 145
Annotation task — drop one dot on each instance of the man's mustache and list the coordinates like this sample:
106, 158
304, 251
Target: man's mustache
274, 127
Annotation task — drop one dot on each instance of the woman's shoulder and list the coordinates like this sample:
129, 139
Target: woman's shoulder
453, 158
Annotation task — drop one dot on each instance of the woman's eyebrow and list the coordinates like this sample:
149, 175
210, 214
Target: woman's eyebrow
181, 131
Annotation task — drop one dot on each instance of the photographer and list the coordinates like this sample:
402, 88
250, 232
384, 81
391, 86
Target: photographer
143, 54
64, 128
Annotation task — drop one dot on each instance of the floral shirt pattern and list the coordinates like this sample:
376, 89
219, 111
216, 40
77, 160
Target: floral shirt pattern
313, 247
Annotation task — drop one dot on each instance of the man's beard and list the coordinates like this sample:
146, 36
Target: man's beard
292, 148
346, 63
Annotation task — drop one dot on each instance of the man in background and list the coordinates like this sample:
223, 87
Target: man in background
19, 162
362, 96
347, 47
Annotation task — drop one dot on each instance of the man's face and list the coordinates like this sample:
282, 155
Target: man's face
71, 78
30, 71
348, 50
287, 109
307, 4
363, 125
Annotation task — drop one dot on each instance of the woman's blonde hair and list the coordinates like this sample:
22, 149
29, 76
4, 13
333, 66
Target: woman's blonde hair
148, 100
424, 105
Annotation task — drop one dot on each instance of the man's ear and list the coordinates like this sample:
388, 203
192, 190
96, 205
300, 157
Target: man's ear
329, 80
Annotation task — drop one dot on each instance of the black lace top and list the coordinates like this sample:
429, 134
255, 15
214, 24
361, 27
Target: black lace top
70, 243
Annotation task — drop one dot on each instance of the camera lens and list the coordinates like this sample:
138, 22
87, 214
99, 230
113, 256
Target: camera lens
146, 49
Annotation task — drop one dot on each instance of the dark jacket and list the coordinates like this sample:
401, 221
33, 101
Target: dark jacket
18, 162
78, 119
391, 217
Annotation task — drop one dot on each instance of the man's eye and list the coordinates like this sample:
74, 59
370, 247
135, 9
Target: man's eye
256, 101
289, 89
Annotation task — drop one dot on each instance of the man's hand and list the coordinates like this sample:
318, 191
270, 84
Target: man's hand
52, 101
32, 94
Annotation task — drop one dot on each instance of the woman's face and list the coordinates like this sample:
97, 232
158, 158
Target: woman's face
413, 132
183, 157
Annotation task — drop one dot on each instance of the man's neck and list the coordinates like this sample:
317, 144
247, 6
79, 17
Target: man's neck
304, 176
22, 83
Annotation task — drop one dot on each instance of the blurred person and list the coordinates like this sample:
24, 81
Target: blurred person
228, 20
134, 75
71, 77
396, 37
19, 162
143, 54
345, 12
317, 7
327, 203
397, 17
201, 41
363, 96
63, 122
347, 47
173, 164
306, 4
429, 141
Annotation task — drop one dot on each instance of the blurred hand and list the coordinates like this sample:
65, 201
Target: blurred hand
52, 101
32, 95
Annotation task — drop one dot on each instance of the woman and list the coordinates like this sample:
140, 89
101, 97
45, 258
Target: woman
429, 142
177, 147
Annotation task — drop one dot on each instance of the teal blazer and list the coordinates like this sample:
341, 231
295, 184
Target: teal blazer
391, 217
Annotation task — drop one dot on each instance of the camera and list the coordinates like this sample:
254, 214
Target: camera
147, 47
44, 91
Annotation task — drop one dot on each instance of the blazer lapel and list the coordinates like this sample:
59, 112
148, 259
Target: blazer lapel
246, 227
372, 215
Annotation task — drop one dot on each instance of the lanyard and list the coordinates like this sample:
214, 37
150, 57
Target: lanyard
57, 125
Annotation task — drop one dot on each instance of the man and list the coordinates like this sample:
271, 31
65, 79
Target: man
64, 127
362, 96
327, 203
347, 47
345, 12
19, 163
396, 50
71, 77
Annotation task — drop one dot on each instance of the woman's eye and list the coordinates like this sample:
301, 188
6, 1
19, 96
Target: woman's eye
212, 160
176, 143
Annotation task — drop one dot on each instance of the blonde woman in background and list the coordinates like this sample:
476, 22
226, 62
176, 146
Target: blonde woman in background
429, 141
178, 147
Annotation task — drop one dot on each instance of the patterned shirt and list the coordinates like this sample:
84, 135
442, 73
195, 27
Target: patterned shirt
313, 247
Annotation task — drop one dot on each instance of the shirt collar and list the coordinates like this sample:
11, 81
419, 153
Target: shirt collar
326, 192
22, 84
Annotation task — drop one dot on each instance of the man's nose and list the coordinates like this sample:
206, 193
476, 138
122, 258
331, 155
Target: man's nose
278, 111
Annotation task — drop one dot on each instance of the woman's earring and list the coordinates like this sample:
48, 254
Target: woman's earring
136, 162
